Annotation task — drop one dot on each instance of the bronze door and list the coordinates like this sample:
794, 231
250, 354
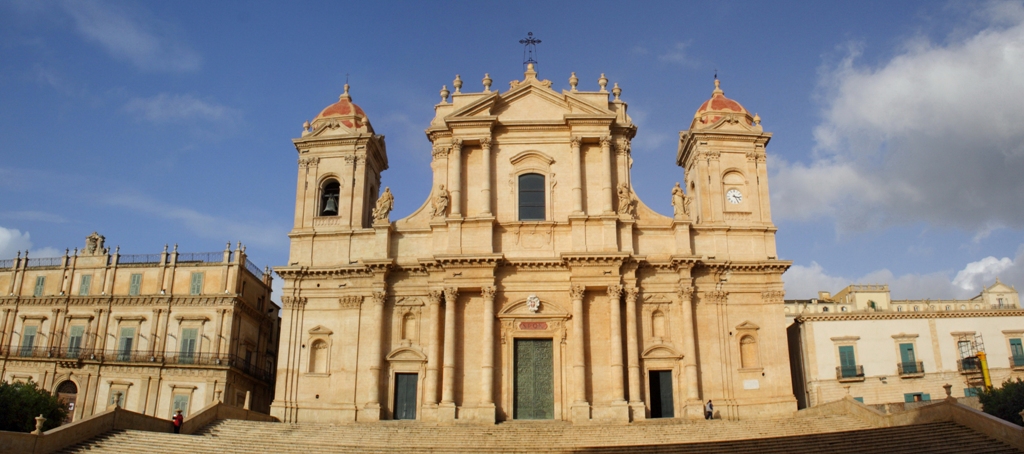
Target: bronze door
534, 391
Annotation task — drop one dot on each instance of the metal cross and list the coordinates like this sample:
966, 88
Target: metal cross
529, 49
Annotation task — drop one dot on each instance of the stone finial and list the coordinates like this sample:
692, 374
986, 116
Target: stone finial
457, 83
573, 81
305, 125
757, 119
345, 95
603, 82
175, 247
530, 73
444, 94
487, 82
227, 246
718, 88
40, 420
949, 390
616, 91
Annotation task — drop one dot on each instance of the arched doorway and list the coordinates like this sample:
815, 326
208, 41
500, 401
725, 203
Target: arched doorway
67, 393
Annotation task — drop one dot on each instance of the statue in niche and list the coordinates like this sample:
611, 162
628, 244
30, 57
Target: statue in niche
440, 202
680, 203
385, 203
94, 244
625, 199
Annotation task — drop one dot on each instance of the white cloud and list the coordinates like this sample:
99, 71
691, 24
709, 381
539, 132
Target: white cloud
678, 54
145, 43
805, 281
931, 135
165, 107
13, 241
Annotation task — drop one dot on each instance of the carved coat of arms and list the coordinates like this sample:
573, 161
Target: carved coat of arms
533, 303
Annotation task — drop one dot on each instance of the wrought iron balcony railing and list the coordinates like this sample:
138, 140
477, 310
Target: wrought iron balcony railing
1017, 362
970, 365
914, 368
850, 373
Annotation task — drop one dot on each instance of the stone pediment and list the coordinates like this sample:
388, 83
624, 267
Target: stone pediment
406, 354
661, 352
529, 101
320, 329
733, 123
747, 325
520, 309
1000, 287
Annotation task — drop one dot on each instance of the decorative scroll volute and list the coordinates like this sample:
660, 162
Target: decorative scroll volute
434, 296
632, 293
379, 296
686, 294
614, 291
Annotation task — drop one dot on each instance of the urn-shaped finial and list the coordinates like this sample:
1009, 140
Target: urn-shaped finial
487, 83
616, 91
603, 82
444, 94
457, 83
573, 81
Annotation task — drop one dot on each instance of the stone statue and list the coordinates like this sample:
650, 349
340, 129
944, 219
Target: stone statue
680, 203
94, 244
440, 202
625, 199
384, 205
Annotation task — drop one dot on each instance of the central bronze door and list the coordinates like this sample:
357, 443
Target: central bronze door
534, 380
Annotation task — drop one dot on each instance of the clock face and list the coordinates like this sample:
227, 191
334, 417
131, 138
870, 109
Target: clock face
734, 196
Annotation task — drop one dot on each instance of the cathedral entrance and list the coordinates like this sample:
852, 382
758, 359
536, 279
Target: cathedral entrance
534, 380
405, 396
661, 394
67, 394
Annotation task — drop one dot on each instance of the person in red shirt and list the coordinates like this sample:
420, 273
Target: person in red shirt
178, 419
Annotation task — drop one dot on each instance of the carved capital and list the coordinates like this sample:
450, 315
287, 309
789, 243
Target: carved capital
451, 294
434, 296
631, 294
379, 296
350, 302
440, 151
488, 292
308, 162
686, 294
576, 292
575, 142
290, 302
456, 146
485, 143
751, 155
614, 291
606, 142
623, 147
773, 296
716, 297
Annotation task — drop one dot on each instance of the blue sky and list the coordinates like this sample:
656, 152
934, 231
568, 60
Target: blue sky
897, 156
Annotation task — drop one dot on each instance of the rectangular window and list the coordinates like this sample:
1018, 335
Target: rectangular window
972, 392
916, 397
135, 287
124, 344
75, 341
83, 288
908, 359
196, 285
180, 402
117, 396
40, 283
188, 345
847, 361
531, 197
1017, 350
28, 339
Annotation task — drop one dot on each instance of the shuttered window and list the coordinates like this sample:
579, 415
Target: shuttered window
196, 285
75, 340
189, 338
124, 344
180, 403
28, 339
40, 284
83, 288
135, 286
847, 361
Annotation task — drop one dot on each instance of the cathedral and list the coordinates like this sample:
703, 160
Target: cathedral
532, 283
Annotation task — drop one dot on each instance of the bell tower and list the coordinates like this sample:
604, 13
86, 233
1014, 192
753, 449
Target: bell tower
340, 162
723, 153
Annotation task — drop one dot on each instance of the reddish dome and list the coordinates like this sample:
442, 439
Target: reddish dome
712, 109
350, 114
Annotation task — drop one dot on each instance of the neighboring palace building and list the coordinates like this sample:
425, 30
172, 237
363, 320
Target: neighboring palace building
532, 283
152, 333
888, 351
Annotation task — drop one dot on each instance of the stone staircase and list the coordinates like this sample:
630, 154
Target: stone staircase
831, 434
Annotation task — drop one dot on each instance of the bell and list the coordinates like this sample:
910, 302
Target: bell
331, 207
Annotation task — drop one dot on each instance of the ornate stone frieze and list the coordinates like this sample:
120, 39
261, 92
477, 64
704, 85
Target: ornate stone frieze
309, 162
293, 302
773, 296
715, 297
350, 301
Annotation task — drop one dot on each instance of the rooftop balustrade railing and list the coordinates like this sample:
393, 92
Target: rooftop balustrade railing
253, 269
9, 263
200, 257
136, 259
46, 261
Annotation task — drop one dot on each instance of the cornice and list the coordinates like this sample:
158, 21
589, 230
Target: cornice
853, 316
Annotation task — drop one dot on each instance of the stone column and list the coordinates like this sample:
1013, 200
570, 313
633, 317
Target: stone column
580, 406
577, 176
485, 145
615, 350
487, 357
218, 331
690, 352
434, 353
606, 175
447, 411
372, 408
154, 333
455, 181
632, 346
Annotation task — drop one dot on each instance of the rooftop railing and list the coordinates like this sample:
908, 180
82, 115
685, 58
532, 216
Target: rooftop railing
200, 257
253, 269
136, 259
47, 261
9, 263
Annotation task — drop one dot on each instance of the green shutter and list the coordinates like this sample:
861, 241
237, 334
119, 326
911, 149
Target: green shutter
83, 288
124, 344
196, 287
859, 399
1017, 351
926, 397
75, 340
908, 358
136, 285
40, 284
188, 345
847, 361
28, 338
180, 403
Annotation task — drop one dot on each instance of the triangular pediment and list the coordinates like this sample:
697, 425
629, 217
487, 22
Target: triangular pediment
747, 325
320, 329
1000, 287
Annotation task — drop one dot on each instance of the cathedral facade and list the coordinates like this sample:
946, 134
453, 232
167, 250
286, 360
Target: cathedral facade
532, 283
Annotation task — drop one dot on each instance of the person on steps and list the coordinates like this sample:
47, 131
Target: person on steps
709, 410
177, 420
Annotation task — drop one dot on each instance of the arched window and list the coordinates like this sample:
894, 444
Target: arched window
329, 198
531, 197
748, 352
824, 309
318, 357
842, 309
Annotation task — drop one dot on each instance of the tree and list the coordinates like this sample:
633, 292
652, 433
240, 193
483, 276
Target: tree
1005, 402
22, 402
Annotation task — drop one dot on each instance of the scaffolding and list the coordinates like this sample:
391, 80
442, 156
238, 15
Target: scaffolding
973, 363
